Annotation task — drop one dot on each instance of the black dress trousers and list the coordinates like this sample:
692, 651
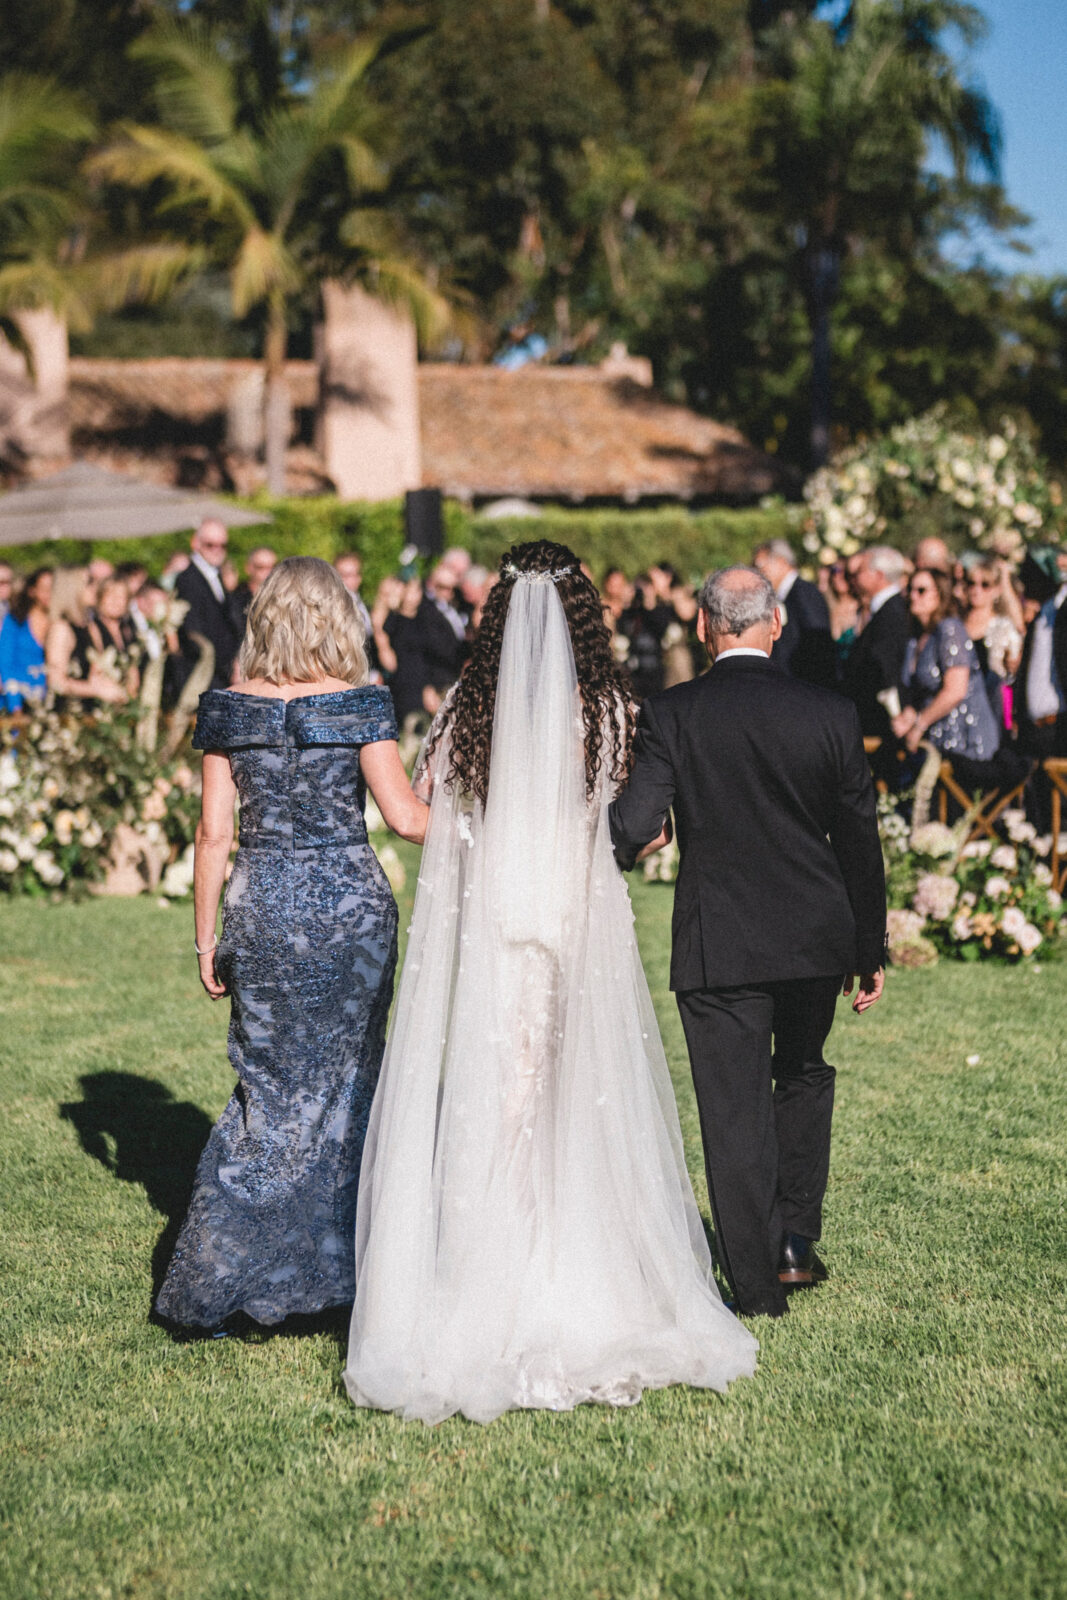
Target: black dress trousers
766, 1097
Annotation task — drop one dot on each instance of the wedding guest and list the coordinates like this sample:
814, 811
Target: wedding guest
805, 648
474, 589
349, 568
617, 594
23, 678
420, 649
996, 638
1041, 694
876, 659
134, 574
115, 650
176, 565
100, 569
683, 654
941, 680
442, 588
259, 564
835, 586
933, 554
150, 614
307, 954
75, 679
212, 613
7, 584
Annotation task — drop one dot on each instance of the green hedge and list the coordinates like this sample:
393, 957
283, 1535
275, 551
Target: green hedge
693, 542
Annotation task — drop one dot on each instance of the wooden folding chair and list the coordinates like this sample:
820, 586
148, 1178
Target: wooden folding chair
1056, 769
988, 807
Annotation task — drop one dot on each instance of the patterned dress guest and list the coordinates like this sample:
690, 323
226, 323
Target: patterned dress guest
942, 682
307, 954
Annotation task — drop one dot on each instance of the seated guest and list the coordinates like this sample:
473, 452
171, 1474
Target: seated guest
996, 639
23, 678
212, 613
876, 659
941, 683
74, 678
805, 647
259, 564
7, 585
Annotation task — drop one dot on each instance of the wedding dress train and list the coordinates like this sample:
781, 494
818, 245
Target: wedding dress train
526, 1231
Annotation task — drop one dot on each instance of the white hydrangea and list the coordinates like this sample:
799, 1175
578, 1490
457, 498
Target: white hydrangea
1005, 858
1028, 938
9, 862
48, 869
961, 927
934, 839
1013, 921
997, 888
977, 850
935, 896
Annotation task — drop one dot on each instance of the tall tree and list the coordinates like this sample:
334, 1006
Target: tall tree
849, 128
271, 179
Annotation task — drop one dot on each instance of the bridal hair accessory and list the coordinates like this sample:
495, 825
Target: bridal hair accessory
511, 571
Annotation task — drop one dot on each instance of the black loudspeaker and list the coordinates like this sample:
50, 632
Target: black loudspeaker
424, 523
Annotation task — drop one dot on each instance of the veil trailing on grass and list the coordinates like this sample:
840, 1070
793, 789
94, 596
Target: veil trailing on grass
526, 1231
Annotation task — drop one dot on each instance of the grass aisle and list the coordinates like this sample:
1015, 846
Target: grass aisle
903, 1437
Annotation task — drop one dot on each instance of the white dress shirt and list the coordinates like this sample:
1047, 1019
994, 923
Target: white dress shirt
1044, 691
211, 574
742, 650
781, 594
881, 597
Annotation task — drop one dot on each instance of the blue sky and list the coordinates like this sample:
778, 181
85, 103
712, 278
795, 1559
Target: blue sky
1022, 65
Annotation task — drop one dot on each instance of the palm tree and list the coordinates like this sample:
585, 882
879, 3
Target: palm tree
272, 179
850, 128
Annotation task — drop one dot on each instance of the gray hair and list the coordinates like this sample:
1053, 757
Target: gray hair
884, 559
781, 549
734, 607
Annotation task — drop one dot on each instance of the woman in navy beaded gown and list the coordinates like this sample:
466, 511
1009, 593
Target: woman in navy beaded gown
307, 954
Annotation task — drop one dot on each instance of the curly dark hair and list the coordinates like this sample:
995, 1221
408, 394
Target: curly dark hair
602, 683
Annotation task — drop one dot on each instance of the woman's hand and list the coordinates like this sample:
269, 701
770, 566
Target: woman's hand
106, 689
903, 722
914, 736
209, 977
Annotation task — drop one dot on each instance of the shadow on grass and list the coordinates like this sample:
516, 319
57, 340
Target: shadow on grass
136, 1129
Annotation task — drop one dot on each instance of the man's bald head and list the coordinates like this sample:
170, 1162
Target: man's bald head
738, 611
210, 541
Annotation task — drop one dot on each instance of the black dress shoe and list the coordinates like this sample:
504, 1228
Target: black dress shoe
798, 1266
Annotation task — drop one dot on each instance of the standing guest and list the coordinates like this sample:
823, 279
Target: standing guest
114, 649
474, 589
7, 584
75, 679
1041, 694
775, 807
23, 677
443, 589
835, 586
805, 647
617, 594
941, 680
934, 554
134, 574
876, 660
212, 613
100, 569
259, 564
349, 568
307, 954
458, 561
996, 639
150, 614
683, 654
420, 650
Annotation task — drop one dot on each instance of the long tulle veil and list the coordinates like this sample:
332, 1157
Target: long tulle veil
526, 1231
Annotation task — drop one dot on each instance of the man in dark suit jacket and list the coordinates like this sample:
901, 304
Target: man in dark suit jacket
876, 660
213, 613
805, 648
780, 901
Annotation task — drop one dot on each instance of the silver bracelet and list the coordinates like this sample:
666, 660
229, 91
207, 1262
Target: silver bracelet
209, 949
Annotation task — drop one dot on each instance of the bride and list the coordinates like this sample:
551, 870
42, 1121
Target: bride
526, 1233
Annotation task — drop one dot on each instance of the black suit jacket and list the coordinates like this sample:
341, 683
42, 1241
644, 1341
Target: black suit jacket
781, 867
222, 624
876, 662
806, 646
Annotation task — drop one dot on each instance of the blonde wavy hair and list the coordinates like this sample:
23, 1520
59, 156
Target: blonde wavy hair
303, 625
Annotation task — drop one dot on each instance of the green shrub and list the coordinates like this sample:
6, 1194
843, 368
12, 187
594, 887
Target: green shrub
693, 542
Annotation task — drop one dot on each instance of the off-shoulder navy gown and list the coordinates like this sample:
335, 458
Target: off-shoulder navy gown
308, 951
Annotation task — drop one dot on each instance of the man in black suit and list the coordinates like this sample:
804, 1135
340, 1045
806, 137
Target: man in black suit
780, 901
1041, 690
805, 648
876, 660
213, 613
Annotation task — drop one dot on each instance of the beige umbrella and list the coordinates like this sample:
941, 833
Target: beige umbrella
87, 502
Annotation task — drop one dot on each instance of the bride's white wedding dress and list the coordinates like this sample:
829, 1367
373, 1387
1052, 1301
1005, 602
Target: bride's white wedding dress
526, 1232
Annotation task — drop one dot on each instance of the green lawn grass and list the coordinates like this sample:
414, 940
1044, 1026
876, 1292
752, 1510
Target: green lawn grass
903, 1436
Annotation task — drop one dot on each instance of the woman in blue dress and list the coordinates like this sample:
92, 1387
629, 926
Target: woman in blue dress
22, 644
307, 954
942, 684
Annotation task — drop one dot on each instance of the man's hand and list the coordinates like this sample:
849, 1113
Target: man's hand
870, 988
